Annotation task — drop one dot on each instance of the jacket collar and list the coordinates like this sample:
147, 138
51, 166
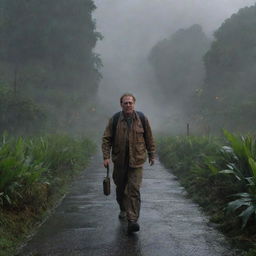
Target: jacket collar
134, 115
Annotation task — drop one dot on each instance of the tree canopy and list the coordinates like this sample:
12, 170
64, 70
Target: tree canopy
177, 62
229, 91
46, 47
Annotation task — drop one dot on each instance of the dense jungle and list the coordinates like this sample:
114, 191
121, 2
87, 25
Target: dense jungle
57, 91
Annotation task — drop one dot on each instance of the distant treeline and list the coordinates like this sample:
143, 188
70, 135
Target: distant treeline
46, 59
214, 83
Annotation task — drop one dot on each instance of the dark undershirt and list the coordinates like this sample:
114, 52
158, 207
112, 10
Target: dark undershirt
129, 125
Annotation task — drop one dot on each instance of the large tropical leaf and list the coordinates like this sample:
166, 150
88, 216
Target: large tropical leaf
228, 171
246, 214
252, 163
247, 204
236, 143
236, 204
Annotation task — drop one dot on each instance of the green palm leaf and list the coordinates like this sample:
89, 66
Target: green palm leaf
236, 204
246, 214
252, 164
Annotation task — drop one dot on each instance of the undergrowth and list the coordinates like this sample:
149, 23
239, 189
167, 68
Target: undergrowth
220, 175
33, 176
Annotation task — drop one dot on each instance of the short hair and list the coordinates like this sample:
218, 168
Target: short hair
127, 94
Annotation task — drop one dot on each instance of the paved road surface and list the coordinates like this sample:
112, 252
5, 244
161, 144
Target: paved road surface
86, 223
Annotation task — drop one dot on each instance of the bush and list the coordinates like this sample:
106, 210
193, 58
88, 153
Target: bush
19, 115
29, 163
220, 178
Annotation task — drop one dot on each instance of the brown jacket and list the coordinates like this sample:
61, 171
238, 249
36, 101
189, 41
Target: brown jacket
131, 140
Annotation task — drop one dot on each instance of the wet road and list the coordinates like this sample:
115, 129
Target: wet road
86, 223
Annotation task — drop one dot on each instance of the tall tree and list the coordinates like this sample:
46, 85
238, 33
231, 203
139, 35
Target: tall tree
229, 93
178, 65
60, 33
233, 51
49, 46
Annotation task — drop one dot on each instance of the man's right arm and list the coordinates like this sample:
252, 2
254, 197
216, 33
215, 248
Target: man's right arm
107, 143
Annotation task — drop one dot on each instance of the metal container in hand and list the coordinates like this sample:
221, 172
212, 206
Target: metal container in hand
106, 184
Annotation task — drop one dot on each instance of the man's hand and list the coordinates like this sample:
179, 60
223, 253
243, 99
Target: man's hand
151, 161
106, 162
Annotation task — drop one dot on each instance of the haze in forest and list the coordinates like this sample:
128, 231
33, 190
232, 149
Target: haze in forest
130, 30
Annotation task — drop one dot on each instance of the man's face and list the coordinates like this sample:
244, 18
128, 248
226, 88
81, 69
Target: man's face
128, 104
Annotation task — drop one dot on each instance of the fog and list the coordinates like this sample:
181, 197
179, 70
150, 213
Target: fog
130, 29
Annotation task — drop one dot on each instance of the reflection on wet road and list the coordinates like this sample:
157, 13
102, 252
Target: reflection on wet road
87, 224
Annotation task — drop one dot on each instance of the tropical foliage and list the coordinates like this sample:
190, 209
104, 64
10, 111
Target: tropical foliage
240, 161
219, 175
32, 163
20, 115
33, 174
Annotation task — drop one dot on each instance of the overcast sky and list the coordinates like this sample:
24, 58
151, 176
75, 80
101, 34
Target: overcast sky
130, 29
144, 22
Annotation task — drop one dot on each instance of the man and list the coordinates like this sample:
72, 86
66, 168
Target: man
129, 137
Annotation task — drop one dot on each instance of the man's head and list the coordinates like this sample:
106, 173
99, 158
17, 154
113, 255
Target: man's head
127, 102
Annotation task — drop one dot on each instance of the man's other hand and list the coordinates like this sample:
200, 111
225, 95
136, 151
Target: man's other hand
151, 161
106, 162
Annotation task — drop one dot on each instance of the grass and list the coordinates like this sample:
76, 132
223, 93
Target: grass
33, 175
219, 175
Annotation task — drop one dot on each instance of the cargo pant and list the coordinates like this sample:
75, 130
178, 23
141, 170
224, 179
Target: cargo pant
128, 182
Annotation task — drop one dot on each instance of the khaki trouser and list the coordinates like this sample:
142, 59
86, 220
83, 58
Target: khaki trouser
128, 181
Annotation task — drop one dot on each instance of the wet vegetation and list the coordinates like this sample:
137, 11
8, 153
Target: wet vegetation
49, 76
33, 173
20, 115
219, 174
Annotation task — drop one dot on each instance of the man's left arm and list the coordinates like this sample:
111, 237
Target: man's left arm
150, 142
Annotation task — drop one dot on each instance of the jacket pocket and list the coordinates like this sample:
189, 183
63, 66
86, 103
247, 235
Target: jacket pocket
140, 151
140, 134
